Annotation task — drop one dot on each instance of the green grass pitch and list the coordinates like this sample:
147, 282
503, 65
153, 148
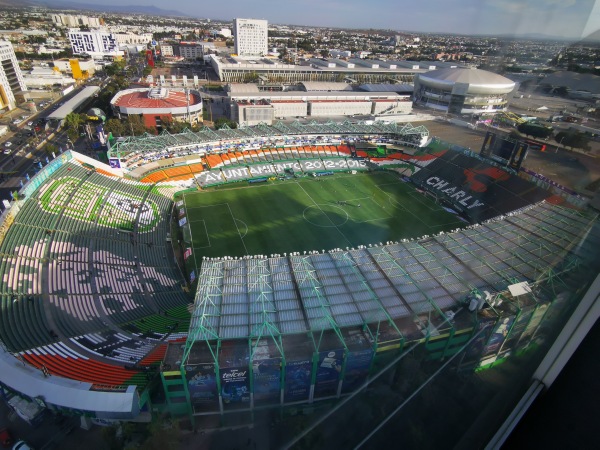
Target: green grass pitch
310, 214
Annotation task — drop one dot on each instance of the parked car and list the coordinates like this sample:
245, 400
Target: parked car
7, 144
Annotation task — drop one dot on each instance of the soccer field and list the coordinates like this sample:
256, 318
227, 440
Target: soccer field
310, 214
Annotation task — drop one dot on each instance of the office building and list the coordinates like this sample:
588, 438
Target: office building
11, 78
250, 37
97, 43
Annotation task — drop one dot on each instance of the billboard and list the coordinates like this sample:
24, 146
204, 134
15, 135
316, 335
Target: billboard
297, 380
115, 163
235, 385
504, 150
328, 372
202, 384
267, 379
357, 369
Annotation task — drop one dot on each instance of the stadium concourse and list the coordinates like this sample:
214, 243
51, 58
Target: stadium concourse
95, 313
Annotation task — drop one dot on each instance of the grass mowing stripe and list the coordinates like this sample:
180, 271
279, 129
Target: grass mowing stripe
303, 214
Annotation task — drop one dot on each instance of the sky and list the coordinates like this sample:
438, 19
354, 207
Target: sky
561, 18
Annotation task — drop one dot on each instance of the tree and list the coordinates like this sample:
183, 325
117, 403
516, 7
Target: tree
573, 139
534, 130
116, 127
73, 121
135, 125
222, 121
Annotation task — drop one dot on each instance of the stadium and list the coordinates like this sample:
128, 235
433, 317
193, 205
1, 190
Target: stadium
158, 104
230, 271
463, 91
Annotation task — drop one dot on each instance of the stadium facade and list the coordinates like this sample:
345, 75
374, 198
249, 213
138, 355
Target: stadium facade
250, 106
107, 323
463, 91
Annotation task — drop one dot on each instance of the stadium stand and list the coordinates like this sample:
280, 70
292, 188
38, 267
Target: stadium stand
474, 187
86, 254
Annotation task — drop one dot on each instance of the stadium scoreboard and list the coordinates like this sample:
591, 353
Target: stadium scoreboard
504, 150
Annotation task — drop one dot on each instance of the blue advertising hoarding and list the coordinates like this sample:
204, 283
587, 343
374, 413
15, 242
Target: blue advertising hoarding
267, 379
297, 380
328, 372
202, 384
235, 385
357, 369
115, 163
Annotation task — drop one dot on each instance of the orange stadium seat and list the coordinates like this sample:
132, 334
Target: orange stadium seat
196, 168
155, 177
86, 370
154, 356
175, 171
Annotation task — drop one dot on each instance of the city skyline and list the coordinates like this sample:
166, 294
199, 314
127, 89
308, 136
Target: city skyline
571, 19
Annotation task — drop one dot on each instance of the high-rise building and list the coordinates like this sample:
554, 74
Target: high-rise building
11, 78
97, 43
250, 37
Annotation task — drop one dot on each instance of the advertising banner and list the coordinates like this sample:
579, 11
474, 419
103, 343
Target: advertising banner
181, 212
235, 385
192, 276
183, 221
267, 379
328, 372
187, 253
498, 335
115, 163
202, 383
357, 369
297, 380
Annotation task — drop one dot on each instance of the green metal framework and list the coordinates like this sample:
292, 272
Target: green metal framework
147, 143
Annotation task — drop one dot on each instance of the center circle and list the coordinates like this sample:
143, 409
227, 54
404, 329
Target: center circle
325, 215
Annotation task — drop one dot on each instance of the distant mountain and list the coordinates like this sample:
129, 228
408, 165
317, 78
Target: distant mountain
592, 37
150, 10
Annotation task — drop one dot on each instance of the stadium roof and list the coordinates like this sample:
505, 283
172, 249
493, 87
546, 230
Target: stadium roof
73, 103
143, 98
325, 86
475, 78
279, 295
242, 88
401, 88
192, 140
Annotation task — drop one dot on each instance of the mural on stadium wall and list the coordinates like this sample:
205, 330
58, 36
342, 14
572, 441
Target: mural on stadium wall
267, 379
357, 369
297, 380
328, 372
202, 384
99, 204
